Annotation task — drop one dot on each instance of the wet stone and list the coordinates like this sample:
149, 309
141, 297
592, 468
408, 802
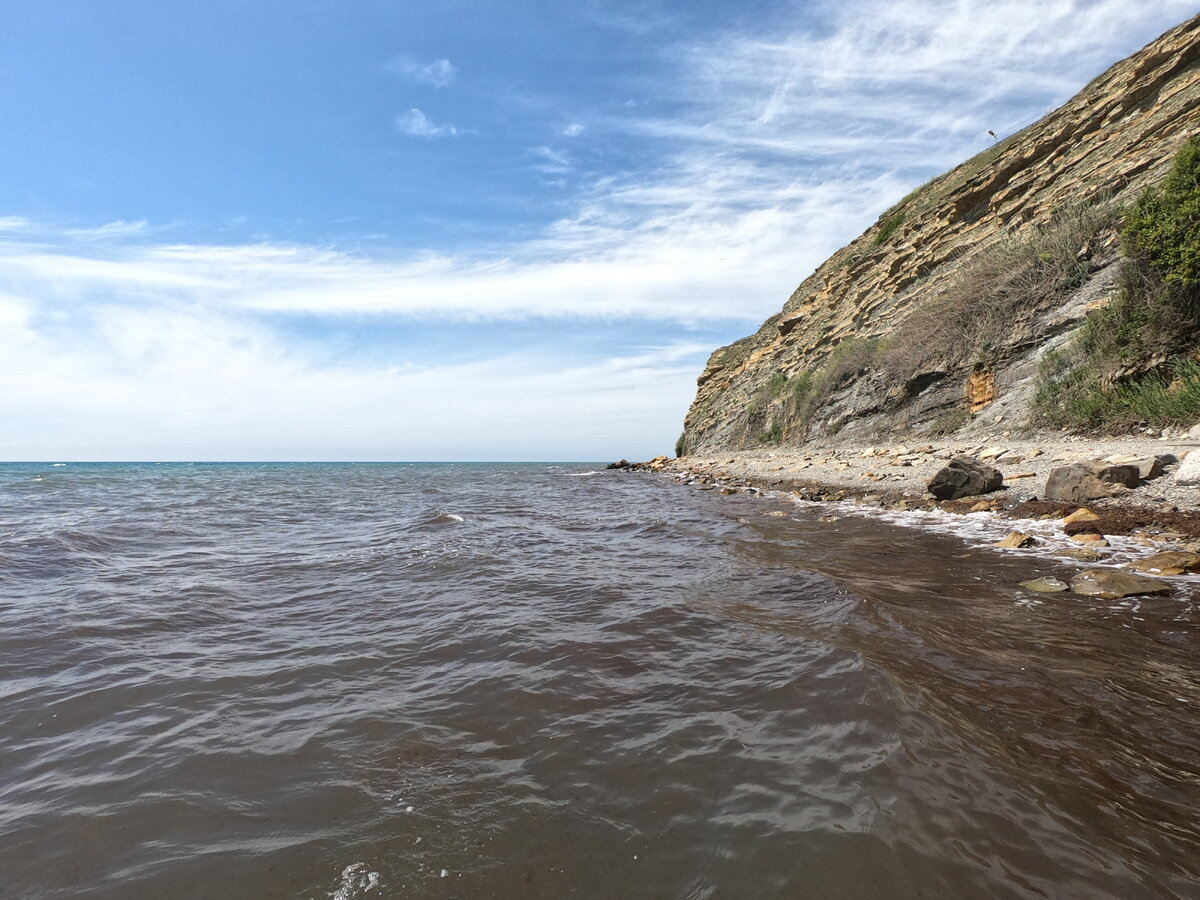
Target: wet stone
1045, 585
1113, 584
1169, 563
1016, 540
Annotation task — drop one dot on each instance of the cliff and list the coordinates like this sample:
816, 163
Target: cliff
947, 314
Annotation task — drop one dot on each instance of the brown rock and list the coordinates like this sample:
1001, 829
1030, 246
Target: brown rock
1081, 482
1016, 540
1084, 553
1169, 563
1113, 584
1083, 514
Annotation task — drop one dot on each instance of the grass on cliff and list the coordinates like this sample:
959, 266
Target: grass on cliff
982, 313
1135, 361
783, 407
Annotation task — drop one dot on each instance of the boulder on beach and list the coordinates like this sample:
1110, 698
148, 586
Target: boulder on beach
1080, 482
1113, 584
964, 477
1189, 470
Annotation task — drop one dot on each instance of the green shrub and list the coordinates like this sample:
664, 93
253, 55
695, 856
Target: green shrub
1128, 364
1076, 396
683, 446
888, 227
1162, 228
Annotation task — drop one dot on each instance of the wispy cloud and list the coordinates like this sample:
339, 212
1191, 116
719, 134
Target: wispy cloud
110, 231
551, 161
781, 144
438, 73
416, 124
572, 129
127, 367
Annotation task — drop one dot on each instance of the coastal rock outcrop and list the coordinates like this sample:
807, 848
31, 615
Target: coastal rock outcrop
875, 341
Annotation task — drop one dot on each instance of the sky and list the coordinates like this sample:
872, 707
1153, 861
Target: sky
460, 229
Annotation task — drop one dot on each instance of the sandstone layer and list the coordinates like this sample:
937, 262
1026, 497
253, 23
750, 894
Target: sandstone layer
1110, 142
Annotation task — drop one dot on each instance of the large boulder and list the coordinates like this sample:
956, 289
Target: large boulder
1080, 482
964, 477
1188, 472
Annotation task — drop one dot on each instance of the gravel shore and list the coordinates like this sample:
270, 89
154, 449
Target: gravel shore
905, 469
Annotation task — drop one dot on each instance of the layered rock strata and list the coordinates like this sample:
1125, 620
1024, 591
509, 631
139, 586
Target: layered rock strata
1114, 139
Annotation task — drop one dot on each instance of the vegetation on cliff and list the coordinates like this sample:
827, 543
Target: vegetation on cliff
1050, 280
1136, 361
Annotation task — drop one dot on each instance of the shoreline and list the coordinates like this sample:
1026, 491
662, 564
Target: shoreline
1159, 512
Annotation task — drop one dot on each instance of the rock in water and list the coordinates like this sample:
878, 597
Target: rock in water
1111, 584
964, 477
623, 464
1045, 585
1169, 562
1080, 482
1016, 540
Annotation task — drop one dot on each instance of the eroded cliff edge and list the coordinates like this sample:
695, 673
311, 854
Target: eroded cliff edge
941, 317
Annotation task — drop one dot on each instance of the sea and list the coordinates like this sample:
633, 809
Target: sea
548, 680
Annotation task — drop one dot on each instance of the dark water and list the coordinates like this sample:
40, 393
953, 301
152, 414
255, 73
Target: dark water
315, 681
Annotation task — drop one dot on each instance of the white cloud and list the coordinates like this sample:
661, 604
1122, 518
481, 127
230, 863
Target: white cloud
170, 383
416, 123
552, 162
117, 229
574, 129
438, 73
781, 146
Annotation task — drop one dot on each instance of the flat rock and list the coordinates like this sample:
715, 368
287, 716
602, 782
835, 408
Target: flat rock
1083, 514
1080, 482
1112, 584
1045, 585
1170, 562
1084, 553
964, 477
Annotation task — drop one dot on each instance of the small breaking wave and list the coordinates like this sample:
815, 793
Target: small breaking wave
357, 878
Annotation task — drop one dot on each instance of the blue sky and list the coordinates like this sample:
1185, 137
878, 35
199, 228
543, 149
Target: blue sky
293, 229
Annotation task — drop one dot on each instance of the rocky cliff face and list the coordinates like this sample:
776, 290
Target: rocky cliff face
816, 368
